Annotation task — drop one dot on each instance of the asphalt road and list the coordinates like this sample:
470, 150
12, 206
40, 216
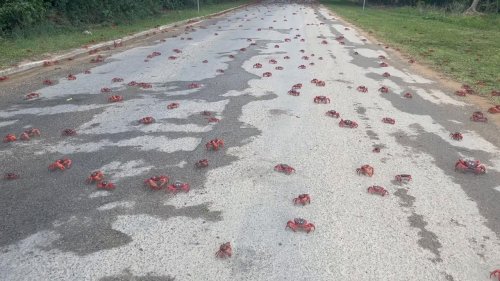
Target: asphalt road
444, 225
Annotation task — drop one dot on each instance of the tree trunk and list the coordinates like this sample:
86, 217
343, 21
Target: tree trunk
472, 8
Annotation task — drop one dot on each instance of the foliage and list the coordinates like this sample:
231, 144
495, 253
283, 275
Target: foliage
17, 16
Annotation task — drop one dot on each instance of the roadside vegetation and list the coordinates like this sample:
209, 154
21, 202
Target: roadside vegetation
462, 44
31, 29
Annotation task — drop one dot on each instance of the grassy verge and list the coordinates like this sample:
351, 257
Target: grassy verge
466, 48
14, 50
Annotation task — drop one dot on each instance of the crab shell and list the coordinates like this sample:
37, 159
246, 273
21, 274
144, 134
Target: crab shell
298, 223
214, 144
224, 251
388, 120
366, 170
403, 178
96, 176
375, 189
178, 186
105, 185
321, 99
202, 163
284, 168
348, 123
333, 113
293, 92
470, 165
115, 98
9, 138
362, 89
456, 136
173, 105
302, 199
267, 74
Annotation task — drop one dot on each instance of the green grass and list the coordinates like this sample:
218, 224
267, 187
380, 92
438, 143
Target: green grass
466, 48
53, 40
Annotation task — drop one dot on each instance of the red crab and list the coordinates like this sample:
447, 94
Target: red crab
389, 120
305, 57
383, 89
147, 120
9, 138
257, 65
105, 90
214, 144
11, 176
71, 77
157, 182
366, 170
33, 132
294, 93
61, 164
347, 123
205, 61
408, 95
478, 117
213, 120
288, 40
302, 51
3, 78
194, 86
224, 251
321, 99
206, 113
243, 49
320, 58
375, 189
302, 66
386, 74
68, 132
97, 59
299, 223
297, 86
302, 199
231, 56
494, 109
178, 186
96, 176
276, 46
403, 178
172, 57
286, 57
284, 168
267, 74
383, 64
219, 70
333, 113
177, 51
32, 96
470, 166
302, 40
115, 98
106, 185
324, 42
48, 82
279, 68
273, 61
495, 273
203, 163
173, 105
116, 80
362, 89
456, 136
376, 150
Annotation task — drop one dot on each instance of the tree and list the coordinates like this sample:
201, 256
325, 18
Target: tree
473, 7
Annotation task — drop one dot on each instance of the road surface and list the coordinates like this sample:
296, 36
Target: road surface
443, 225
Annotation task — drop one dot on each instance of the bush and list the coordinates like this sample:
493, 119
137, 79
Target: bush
18, 14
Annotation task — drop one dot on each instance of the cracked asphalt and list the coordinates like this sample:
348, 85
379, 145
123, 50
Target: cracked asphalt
443, 225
